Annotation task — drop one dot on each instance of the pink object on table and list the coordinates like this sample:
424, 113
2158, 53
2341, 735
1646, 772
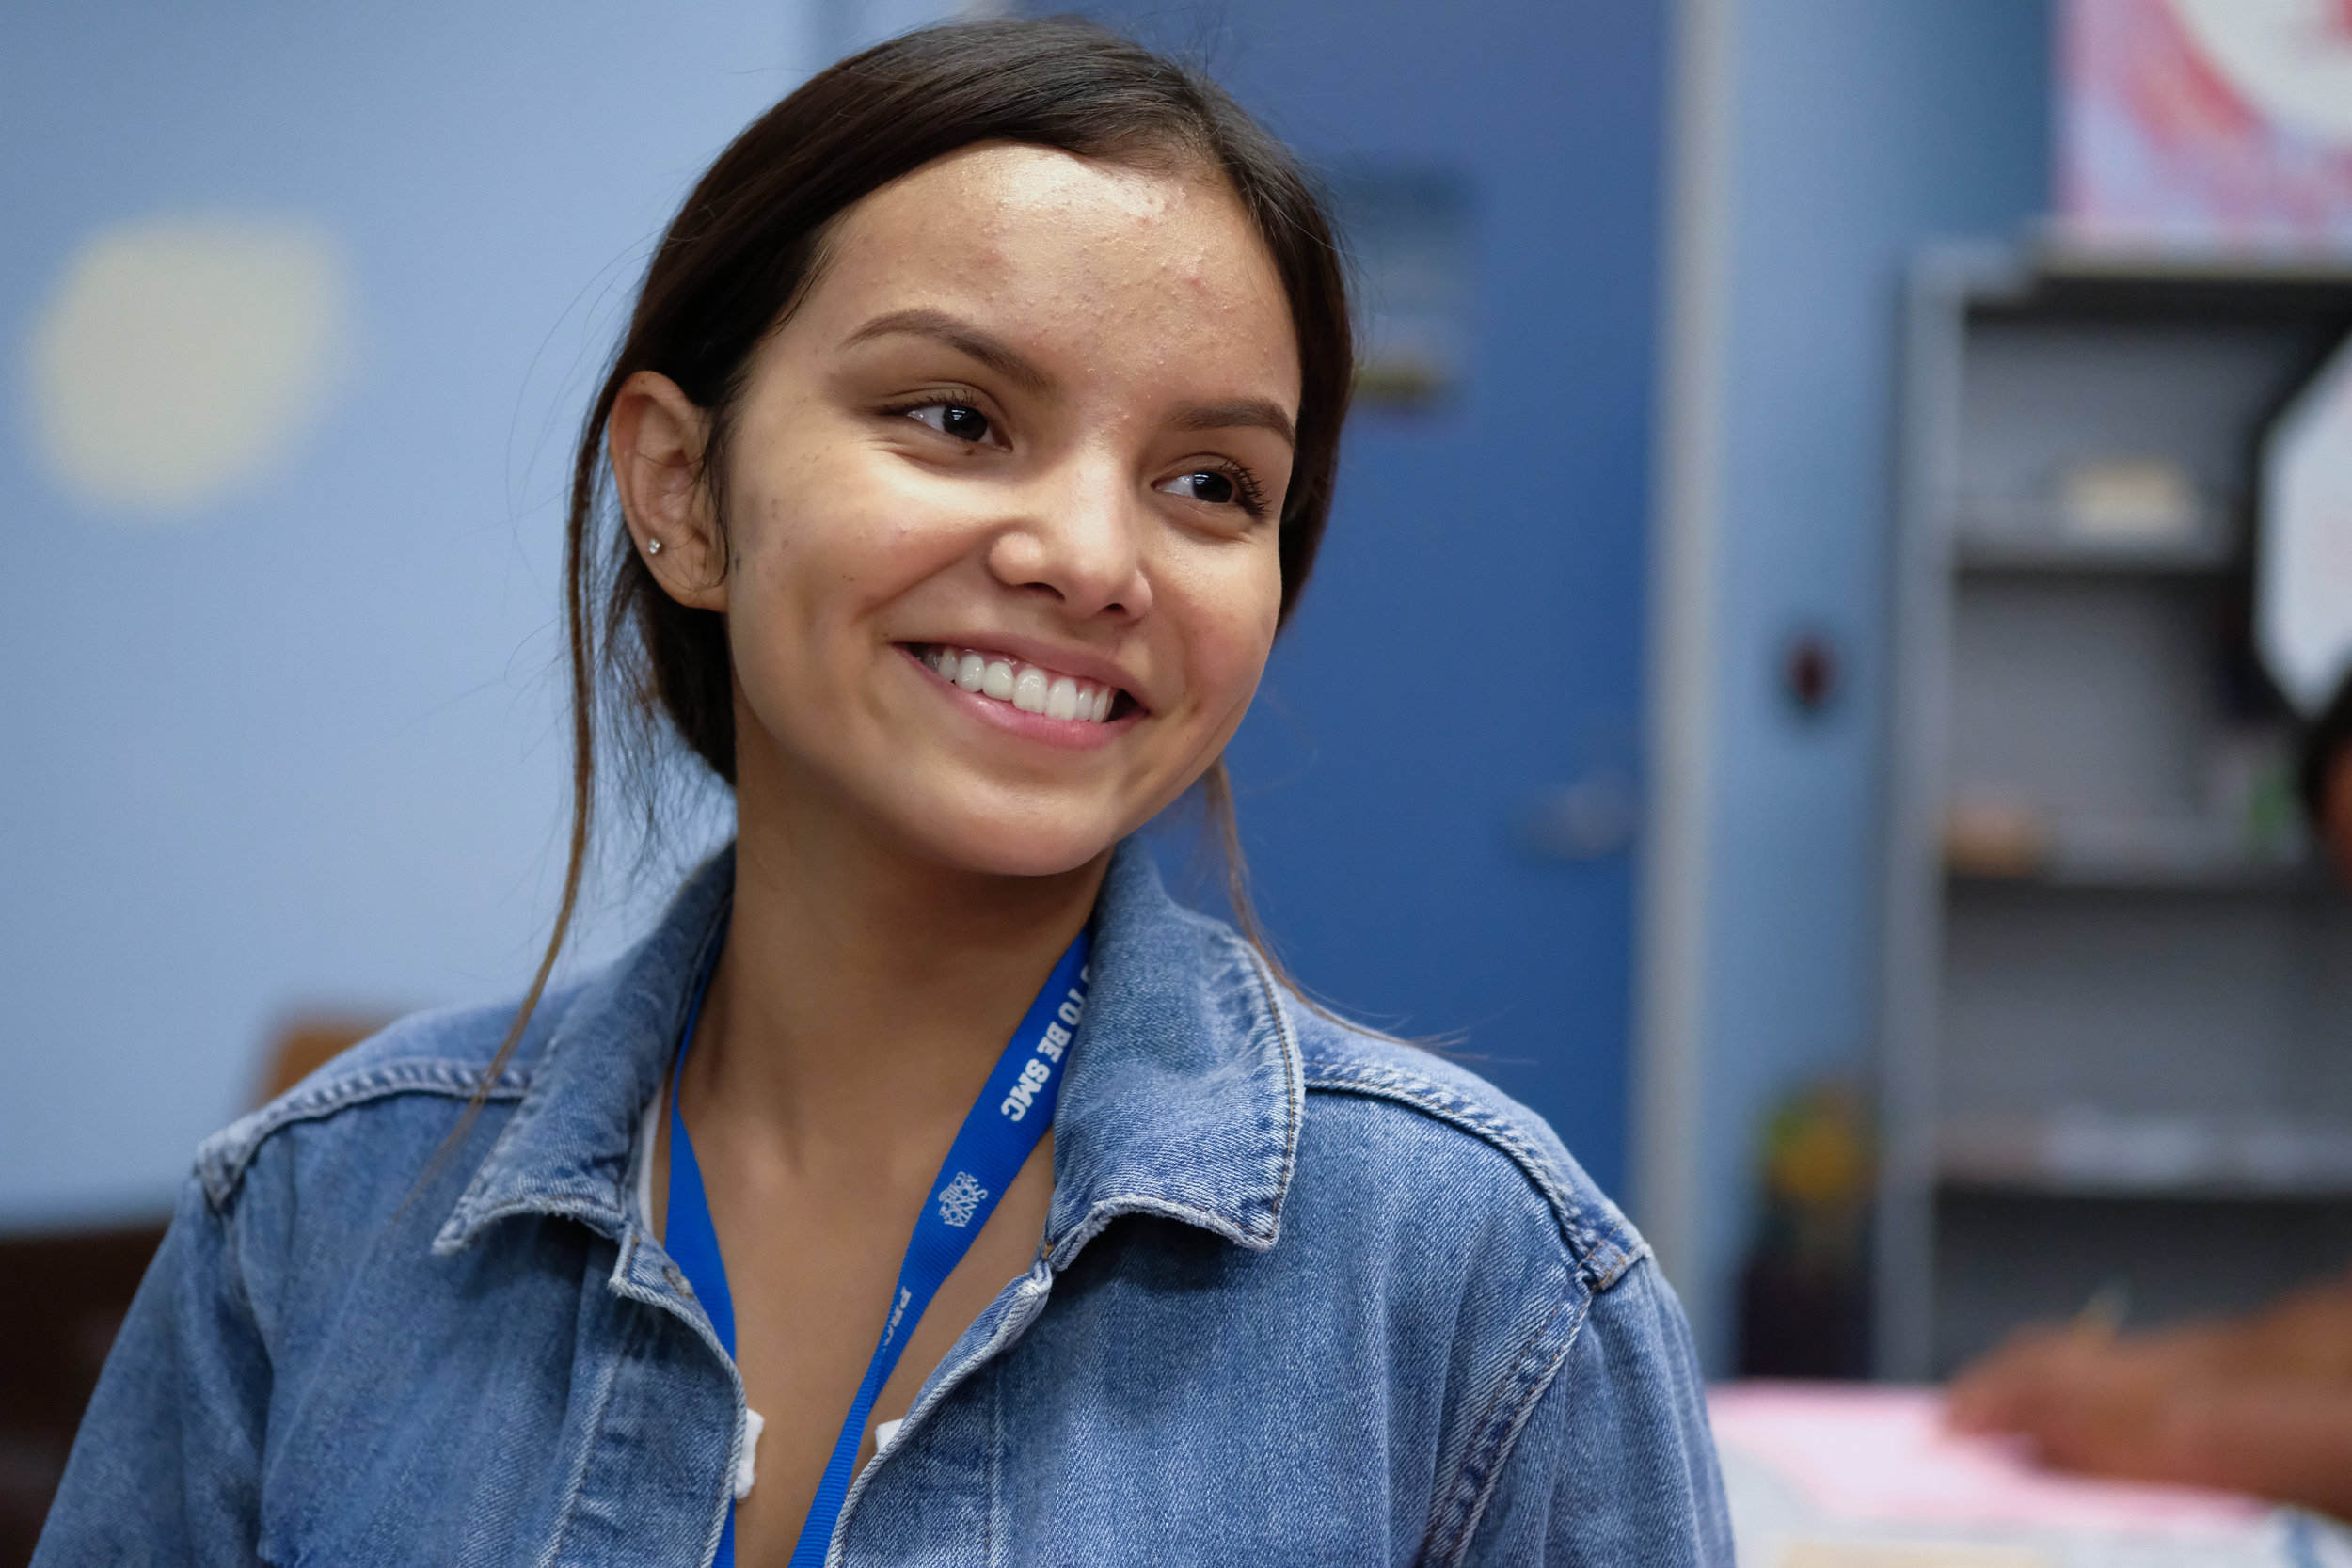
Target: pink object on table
1883, 1455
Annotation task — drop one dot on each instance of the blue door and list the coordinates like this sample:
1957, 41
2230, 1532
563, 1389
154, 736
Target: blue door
1438, 785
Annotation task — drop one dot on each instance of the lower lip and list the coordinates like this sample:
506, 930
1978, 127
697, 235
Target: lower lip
1073, 734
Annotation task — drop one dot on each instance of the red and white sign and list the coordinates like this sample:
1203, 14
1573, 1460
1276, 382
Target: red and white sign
2217, 128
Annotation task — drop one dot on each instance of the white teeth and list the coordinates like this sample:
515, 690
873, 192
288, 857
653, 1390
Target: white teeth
1025, 686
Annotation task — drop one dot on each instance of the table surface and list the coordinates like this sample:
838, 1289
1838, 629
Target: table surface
1829, 1475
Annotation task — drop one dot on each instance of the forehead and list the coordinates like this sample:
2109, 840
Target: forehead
1077, 257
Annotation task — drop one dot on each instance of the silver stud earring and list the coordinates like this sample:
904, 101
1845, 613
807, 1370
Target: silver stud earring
653, 546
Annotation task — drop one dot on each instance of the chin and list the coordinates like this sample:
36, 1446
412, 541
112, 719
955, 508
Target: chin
1018, 847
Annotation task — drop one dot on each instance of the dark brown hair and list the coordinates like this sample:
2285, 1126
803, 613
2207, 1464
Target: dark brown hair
748, 243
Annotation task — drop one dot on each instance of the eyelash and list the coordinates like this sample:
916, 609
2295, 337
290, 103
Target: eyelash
1250, 494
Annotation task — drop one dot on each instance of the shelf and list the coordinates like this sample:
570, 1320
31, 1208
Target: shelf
2191, 533
2092, 1154
1979, 558
2114, 942
2150, 876
2125, 267
2121, 854
2124, 1192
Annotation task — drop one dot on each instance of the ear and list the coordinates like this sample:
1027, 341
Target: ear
657, 437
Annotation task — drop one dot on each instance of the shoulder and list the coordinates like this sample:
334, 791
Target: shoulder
439, 1054
1397, 1095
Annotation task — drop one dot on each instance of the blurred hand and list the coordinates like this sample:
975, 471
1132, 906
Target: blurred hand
2085, 1400
2261, 1405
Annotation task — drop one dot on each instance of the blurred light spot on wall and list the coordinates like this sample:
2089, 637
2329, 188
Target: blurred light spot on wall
182, 357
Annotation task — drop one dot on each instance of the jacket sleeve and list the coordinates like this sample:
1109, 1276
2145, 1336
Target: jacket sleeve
1616, 1463
167, 1466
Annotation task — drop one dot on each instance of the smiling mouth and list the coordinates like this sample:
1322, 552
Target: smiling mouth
1030, 688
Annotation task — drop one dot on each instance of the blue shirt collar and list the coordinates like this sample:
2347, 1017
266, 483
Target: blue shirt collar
1183, 1096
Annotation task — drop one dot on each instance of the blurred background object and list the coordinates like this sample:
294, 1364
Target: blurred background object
2304, 560
2116, 1004
1816, 145
2115, 983
308, 1043
2207, 129
56, 1339
1805, 1294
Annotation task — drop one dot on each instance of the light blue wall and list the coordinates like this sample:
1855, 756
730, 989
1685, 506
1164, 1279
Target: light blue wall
1861, 129
302, 747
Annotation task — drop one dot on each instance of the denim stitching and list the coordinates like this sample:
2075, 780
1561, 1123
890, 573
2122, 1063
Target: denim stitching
1293, 1085
592, 1206
697, 1323
221, 1160
577, 1483
1587, 1243
990, 1528
1257, 1237
1016, 1322
1483, 1473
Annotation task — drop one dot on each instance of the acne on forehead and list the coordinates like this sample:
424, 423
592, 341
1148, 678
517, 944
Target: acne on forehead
1009, 183
976, 215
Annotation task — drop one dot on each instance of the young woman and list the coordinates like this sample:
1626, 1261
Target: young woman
928, 1187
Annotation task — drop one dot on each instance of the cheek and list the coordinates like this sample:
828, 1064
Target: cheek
823, 534
1231, 630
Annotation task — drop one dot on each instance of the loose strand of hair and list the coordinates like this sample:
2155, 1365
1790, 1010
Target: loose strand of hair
580, 659
1216, 801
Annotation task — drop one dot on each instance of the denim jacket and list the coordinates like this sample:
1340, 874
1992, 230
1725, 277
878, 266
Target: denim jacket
1305, 1297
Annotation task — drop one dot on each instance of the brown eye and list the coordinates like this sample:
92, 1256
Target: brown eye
1205, 485
960, 421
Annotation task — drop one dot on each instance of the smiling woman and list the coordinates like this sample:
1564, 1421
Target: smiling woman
928, 1186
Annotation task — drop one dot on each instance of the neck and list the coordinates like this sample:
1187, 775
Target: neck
865, 992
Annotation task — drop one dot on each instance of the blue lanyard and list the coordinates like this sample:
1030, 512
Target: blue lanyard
997, 1137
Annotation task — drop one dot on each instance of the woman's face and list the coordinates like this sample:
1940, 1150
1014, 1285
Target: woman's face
1000, 504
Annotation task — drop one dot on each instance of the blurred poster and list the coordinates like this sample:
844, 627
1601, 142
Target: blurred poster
1407, 228
2206, 127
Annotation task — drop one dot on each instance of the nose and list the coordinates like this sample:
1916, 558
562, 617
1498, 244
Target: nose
1079, 541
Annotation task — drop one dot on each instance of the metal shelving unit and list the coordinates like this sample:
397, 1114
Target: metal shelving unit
2116, 1011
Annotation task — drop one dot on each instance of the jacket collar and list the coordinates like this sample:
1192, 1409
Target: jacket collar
1183, 1096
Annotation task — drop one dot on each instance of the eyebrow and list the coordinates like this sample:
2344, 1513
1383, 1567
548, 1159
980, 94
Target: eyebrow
1239, 414
969, 340
963, 336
